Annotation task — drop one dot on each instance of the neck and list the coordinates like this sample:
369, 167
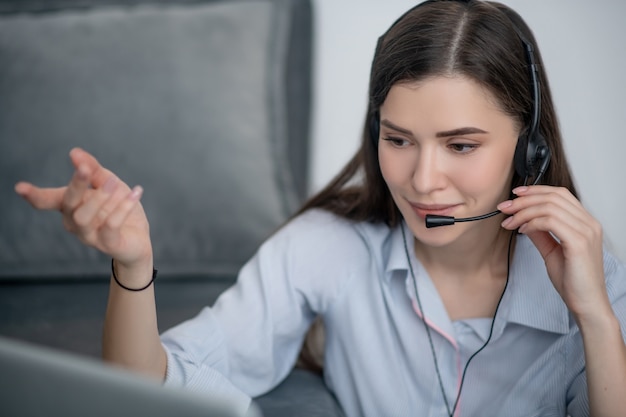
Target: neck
480, 252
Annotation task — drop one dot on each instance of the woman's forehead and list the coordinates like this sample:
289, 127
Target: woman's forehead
444, 92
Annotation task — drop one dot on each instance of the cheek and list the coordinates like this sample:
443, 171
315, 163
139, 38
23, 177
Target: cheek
397, 167
390, 169
492, 175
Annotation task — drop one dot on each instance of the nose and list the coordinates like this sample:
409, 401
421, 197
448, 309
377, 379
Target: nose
429, 174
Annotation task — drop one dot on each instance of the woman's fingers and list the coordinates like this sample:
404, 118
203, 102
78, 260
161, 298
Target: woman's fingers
101, 220
544, 242
555, 212
538, 202
86, 203
76, 189
104, 206
98, 175
116, 219
97, 207
123, 210
87, 172
41, 198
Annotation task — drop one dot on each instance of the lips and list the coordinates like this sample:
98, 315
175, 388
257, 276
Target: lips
437, 209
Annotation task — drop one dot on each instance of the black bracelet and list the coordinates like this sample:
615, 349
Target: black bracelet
154, 274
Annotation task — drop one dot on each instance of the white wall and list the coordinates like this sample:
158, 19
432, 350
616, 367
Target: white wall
582, 44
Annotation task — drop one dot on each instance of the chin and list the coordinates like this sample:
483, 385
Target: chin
436, 236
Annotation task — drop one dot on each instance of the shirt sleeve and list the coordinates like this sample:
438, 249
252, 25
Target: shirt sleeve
249, 340
615, 276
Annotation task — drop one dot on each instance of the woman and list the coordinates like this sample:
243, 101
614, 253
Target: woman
517, 314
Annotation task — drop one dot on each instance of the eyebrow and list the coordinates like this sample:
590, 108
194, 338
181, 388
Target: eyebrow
454, 132
459, 132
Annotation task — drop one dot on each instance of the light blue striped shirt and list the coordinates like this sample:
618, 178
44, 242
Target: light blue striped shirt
378, 361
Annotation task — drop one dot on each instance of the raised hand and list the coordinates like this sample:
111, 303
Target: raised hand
100, 209
568, 238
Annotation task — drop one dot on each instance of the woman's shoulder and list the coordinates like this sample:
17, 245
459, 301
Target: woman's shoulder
321, 253
332, 229
321, 240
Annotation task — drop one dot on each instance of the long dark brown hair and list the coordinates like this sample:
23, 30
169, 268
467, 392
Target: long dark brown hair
475, 39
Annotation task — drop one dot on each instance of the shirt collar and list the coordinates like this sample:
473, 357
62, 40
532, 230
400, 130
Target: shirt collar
396, 255
397, 268
530, 299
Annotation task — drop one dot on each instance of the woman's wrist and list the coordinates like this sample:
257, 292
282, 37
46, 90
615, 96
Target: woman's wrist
133, 277
117, 281
601, 322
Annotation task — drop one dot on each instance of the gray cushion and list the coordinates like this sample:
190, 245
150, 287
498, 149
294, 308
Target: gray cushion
190, 100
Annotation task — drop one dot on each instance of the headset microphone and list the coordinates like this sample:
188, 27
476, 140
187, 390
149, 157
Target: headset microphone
432, 220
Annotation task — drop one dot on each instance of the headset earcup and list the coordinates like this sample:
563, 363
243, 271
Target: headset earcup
539, 156
532, 156
519, 159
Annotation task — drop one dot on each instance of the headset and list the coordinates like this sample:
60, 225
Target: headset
532, 154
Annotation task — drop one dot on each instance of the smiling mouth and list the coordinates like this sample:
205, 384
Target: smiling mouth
436, 209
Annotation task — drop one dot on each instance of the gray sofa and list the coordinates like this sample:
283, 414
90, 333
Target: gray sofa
206, 104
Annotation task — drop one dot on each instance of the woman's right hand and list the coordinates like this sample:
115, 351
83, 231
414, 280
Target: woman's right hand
100, 209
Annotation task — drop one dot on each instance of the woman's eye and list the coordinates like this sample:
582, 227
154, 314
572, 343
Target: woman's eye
462, 147
397, 142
